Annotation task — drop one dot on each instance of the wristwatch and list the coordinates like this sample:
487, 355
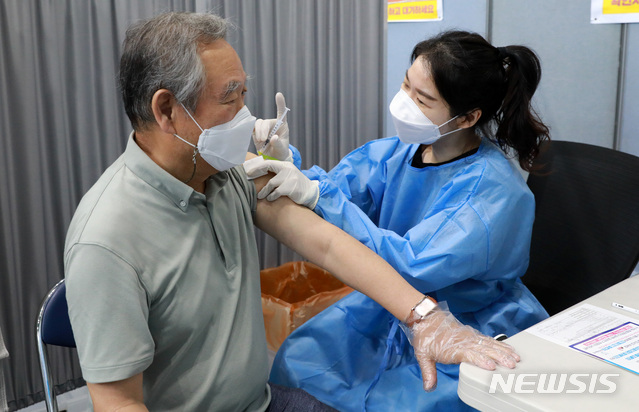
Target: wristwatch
421, 310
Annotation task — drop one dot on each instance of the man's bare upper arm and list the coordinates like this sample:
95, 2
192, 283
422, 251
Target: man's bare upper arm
334, 250
295, 226
122, 396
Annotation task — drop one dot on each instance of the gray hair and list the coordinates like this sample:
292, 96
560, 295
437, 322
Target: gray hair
163, 53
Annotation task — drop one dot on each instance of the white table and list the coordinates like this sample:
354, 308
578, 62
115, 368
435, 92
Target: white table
539, 356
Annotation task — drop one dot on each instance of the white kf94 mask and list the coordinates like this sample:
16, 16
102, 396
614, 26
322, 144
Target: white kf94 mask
411, 123
224, 146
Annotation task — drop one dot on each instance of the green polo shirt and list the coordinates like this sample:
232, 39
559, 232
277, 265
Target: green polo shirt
164, 280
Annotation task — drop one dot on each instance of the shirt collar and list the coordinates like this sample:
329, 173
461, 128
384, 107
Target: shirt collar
149, 171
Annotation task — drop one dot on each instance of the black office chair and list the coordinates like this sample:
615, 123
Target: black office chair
586, 232
53, 328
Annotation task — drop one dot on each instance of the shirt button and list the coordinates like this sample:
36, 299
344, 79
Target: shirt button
182, 203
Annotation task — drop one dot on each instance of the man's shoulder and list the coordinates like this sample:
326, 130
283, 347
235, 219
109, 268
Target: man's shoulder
98, 203
244, 186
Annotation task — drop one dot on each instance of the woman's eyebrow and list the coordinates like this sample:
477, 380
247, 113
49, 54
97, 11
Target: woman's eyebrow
421, 92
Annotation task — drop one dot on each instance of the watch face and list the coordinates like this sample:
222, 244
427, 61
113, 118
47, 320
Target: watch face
423, 308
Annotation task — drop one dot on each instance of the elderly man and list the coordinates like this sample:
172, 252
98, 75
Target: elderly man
161, 260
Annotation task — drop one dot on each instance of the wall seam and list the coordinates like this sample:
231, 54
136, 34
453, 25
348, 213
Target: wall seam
489, 21
384, 70
621, 79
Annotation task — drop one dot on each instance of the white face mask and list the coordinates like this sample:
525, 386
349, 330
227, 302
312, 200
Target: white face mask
411, 123
224, 146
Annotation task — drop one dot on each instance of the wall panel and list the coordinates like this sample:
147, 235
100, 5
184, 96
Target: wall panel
580, 63
629, 121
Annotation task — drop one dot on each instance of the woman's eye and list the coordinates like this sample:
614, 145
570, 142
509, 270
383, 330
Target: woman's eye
420, 102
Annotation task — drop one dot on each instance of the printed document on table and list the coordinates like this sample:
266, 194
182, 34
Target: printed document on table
619, 346
602, 333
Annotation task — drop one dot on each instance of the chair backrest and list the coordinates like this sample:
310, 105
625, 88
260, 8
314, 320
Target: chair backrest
53, 327
586, 232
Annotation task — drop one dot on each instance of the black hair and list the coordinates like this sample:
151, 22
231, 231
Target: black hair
470, 74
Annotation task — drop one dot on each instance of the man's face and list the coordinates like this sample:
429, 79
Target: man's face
225, 87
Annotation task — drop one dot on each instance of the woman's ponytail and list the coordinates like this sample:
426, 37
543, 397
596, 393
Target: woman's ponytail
518, 125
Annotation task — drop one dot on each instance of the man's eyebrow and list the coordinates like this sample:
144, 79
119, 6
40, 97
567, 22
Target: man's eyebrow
230, 88
423, 93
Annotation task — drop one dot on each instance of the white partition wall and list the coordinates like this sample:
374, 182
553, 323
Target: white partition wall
577, 96
629, 110
589, 90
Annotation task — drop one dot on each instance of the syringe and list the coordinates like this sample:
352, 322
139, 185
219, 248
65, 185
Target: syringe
278, 123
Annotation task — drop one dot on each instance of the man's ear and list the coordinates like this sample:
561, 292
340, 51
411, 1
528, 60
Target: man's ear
469, 119
165, 110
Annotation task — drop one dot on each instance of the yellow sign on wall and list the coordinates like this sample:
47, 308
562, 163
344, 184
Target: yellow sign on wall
614, 11
405, 11
620, 6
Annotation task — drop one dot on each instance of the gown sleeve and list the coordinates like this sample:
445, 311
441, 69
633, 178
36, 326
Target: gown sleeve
450, 248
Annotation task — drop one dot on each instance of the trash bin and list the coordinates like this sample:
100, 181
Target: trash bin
292, 294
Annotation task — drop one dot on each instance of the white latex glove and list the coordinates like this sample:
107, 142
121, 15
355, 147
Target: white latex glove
288, 181
277, 148
440, 337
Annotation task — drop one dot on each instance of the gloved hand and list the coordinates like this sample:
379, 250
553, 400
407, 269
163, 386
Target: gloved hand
288, 181
440, 337
277, 147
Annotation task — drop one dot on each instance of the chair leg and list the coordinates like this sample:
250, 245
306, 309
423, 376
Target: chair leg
47, 381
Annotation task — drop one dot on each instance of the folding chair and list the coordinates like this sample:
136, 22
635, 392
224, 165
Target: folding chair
53, 328
586, 232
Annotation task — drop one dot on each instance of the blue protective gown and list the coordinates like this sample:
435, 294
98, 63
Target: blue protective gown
459, 232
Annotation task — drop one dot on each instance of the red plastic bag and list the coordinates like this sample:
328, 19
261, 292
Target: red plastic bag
292, 294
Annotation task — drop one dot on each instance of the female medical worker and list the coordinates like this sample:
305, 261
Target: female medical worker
442, 204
